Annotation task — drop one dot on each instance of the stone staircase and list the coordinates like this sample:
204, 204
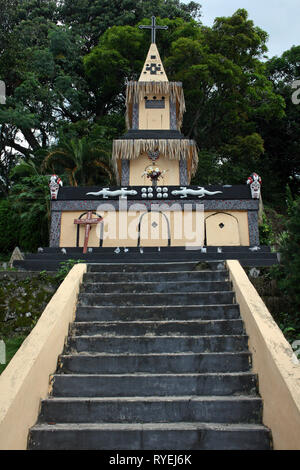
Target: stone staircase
156, 359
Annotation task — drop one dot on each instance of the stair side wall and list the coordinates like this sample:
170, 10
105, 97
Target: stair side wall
25, 381
273, 360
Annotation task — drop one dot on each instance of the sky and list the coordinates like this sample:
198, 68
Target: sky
279, 18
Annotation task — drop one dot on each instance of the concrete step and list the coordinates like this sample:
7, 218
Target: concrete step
149, 436
128, 385
132, 256
146, 266
158, 328
211, 409
155, 287
159, 363
55, 264
160, 344
163, 249
164, 299
157, 276
174, 312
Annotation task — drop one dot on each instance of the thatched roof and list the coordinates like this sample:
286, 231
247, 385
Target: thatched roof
137, 90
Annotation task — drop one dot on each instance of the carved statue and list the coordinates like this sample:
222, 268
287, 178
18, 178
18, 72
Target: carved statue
200, 192
123, 193
255, 185
54, 184
153, 155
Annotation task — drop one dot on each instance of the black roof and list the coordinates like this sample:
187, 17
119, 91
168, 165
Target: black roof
152, 134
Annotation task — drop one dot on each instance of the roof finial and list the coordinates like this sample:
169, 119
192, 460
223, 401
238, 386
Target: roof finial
153, 28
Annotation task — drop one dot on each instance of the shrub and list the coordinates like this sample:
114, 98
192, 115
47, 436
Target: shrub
9, 227
290, 255
266, 235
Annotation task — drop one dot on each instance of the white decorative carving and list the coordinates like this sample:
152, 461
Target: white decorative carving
54, 184
255, 185
254, 248
200, 192
106, 193
154, 155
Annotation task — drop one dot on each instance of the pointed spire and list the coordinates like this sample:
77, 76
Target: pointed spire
153, 70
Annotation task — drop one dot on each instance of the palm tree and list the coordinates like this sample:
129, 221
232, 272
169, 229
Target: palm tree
80, 158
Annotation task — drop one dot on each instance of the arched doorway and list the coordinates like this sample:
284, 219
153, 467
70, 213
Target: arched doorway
222, 229
154, 229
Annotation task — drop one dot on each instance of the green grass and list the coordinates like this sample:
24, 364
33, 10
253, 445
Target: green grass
12, 346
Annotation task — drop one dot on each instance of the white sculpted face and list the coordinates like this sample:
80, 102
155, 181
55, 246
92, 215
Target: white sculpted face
54, 185
255, 185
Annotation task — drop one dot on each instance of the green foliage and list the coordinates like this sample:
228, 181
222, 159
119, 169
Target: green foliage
91, 19
278, 301
290, 253
24, 216
65, 268
84, 160
208, 171
290, 202
279, 286
29, 199
281, 163
266, 235
9, 227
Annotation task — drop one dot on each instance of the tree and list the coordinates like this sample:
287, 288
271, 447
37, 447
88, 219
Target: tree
9, 228
287, 273
91, 18
226, 91
24, 113
281, 164
85, 160
65, 63
29, 199
41, 64
225, 84
290, 251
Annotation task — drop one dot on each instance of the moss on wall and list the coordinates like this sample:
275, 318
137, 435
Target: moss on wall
22, 301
